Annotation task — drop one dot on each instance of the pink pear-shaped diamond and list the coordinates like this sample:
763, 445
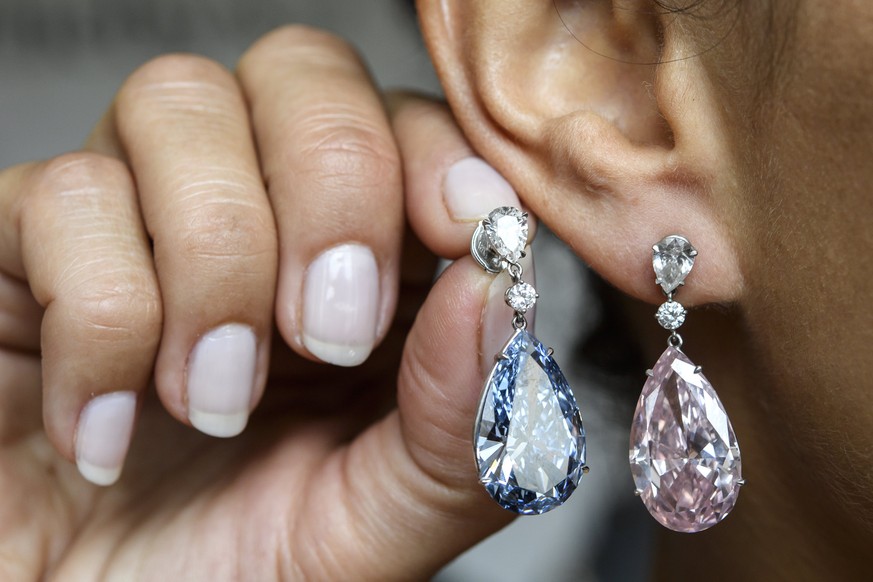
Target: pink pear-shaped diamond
683, 452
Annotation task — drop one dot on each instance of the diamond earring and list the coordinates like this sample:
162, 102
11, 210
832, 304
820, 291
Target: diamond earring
528, 439
684, 455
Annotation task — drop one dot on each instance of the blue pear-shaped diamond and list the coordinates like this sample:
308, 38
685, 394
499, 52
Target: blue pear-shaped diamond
529, 439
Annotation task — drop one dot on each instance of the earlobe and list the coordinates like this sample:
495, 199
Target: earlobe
611, 154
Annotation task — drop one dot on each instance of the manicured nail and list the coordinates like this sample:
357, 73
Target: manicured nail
497, 315
341, 305
103, 436
221, 375
472, 189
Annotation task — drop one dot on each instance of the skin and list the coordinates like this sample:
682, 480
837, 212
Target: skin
199, 200
756, 149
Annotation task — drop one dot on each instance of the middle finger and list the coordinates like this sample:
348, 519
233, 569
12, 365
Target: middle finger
183, 124
333, 174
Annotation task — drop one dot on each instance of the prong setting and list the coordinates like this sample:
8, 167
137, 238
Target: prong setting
672, 261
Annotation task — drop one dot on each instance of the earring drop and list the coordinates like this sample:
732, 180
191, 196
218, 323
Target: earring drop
684, 455
528, 439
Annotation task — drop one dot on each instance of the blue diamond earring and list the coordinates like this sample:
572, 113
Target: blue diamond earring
528, 439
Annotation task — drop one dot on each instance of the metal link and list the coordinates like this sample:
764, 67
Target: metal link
515, 271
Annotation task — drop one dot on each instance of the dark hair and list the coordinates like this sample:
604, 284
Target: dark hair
691, 8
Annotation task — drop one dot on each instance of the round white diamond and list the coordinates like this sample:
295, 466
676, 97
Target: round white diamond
671, 315
506, 228
521, 296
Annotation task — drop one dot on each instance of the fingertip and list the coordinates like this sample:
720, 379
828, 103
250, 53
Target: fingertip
472, 188
217, 424
102, 476
463, 288
343, 355
103, 436
448, 188
342, 300
221, 379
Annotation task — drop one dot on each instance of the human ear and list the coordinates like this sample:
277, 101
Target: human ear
610, 150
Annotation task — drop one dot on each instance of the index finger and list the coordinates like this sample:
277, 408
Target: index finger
448, 189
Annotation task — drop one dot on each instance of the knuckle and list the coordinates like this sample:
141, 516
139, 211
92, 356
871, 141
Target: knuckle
116, 307
299, 40
347, 151
176, 82
74, 179
227, 232
79, 170
178, 67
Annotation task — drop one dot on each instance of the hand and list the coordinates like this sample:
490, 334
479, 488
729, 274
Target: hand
205, 209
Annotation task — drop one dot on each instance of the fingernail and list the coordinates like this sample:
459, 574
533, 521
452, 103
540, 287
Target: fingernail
103, 436
497, 315
341, 304
472, 189
221, 375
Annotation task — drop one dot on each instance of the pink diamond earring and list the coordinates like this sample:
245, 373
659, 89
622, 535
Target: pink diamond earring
684, 455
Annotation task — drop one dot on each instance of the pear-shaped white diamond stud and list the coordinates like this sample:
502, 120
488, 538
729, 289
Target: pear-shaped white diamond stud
672, 259
506, 229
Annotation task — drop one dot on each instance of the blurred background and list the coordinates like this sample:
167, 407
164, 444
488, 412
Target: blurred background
61, 63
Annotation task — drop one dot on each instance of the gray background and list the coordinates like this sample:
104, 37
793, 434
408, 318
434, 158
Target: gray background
62, 61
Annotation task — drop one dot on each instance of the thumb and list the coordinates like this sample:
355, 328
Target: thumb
411, 500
